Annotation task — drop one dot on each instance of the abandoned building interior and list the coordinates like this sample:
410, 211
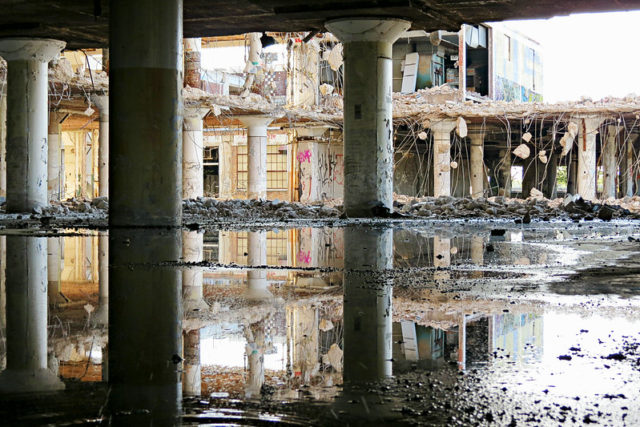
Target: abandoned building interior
314, 213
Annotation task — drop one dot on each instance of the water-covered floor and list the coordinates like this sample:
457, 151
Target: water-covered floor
433, 324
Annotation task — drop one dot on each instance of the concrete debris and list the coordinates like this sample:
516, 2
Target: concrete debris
334, 57
334, 356
567, 143
454, 165
326, 89
536, 194
325, 325
422, 135
461, 127
572, 129
211, 209
522, 151
542, 156
526, 137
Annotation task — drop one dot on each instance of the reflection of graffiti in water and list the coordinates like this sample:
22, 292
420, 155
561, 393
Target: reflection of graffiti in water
304, 156
304, 258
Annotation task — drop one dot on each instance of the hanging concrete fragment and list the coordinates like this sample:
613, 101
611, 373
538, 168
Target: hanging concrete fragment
454, 165
536, 194
422, 135
567, 143
326, 89
526, 137
334, 58
572, 129
522, 151
461, 127
542, 156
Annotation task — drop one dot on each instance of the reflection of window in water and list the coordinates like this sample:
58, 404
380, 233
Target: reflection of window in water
211, 247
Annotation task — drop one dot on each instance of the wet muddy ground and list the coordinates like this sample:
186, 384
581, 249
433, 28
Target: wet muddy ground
426, 323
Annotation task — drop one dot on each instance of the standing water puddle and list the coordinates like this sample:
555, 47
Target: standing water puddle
443, 324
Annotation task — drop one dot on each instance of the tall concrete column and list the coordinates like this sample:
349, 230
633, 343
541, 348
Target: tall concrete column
193, 153
505, 171
101, 316
587, 156
145, 90
572, 173
257, 155
54, 161
27, 121
630, 173
192, 278
192, 375
26, 290
610, 162
442, 157
102, 102
145, 325
477, 163
368, 121
367, 304
3, 146
257, 286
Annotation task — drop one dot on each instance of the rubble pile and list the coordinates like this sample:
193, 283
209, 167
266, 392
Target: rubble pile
99, 206
571, 207
255, 209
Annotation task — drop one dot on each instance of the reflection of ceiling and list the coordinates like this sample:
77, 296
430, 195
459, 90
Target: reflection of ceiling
84, 24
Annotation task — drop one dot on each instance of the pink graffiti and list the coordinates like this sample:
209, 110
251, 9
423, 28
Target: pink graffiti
304, 156
304, 258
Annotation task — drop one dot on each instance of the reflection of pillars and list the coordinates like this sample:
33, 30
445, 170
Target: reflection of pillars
257, 287
442, 157
441, 257
3, 146
27, 120
192, 374
102, 102
367, 304
255, 335
26, 288
54, 162
256, 155
101, 316
610, 163
192, 277
145, 149
587, 157
462, 343
54, 271
368, 122
193, 153
477, 249
477, 163
192, 62
3, 300
145, 329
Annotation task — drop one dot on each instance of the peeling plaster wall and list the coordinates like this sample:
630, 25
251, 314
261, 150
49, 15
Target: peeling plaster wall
320, 171
80, 165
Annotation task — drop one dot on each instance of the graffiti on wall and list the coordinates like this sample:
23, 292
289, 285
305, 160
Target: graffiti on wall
506, 90
322, 178
304, 156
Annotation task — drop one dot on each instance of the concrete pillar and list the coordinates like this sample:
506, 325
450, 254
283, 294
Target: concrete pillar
192, 375
193, 153
587, 156
610, 162
26, 289
441, 132
368, 121
505, 171
145, 325
102, 102
367, 304
441, 257
55, 264
254, 349
477, 163
145, 90
630, 173
3, 146
27, 121
101, 315
257, 155
54, 161
192, 62
572, 175
257, 287
550, 174
192, 278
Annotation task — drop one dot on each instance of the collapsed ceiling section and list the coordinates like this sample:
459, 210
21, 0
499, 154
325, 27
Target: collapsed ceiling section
84, 24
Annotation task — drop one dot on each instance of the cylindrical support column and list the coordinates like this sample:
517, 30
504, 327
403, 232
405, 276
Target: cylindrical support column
192, 62
254, 349
610, 162
630, 174
505, 171
27, 120
477, 164
192, 375
367, 304
102, 102
587, 157
54, 161
441, 132
145, 89
192, 278
368, 121
256, 155
193, 153
257, 287
145, 325
101, 315
3, 146
26, 289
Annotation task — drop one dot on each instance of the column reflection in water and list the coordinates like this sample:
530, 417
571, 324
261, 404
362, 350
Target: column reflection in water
26, 318
257, 256
367, 304
192, 278
145, 329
